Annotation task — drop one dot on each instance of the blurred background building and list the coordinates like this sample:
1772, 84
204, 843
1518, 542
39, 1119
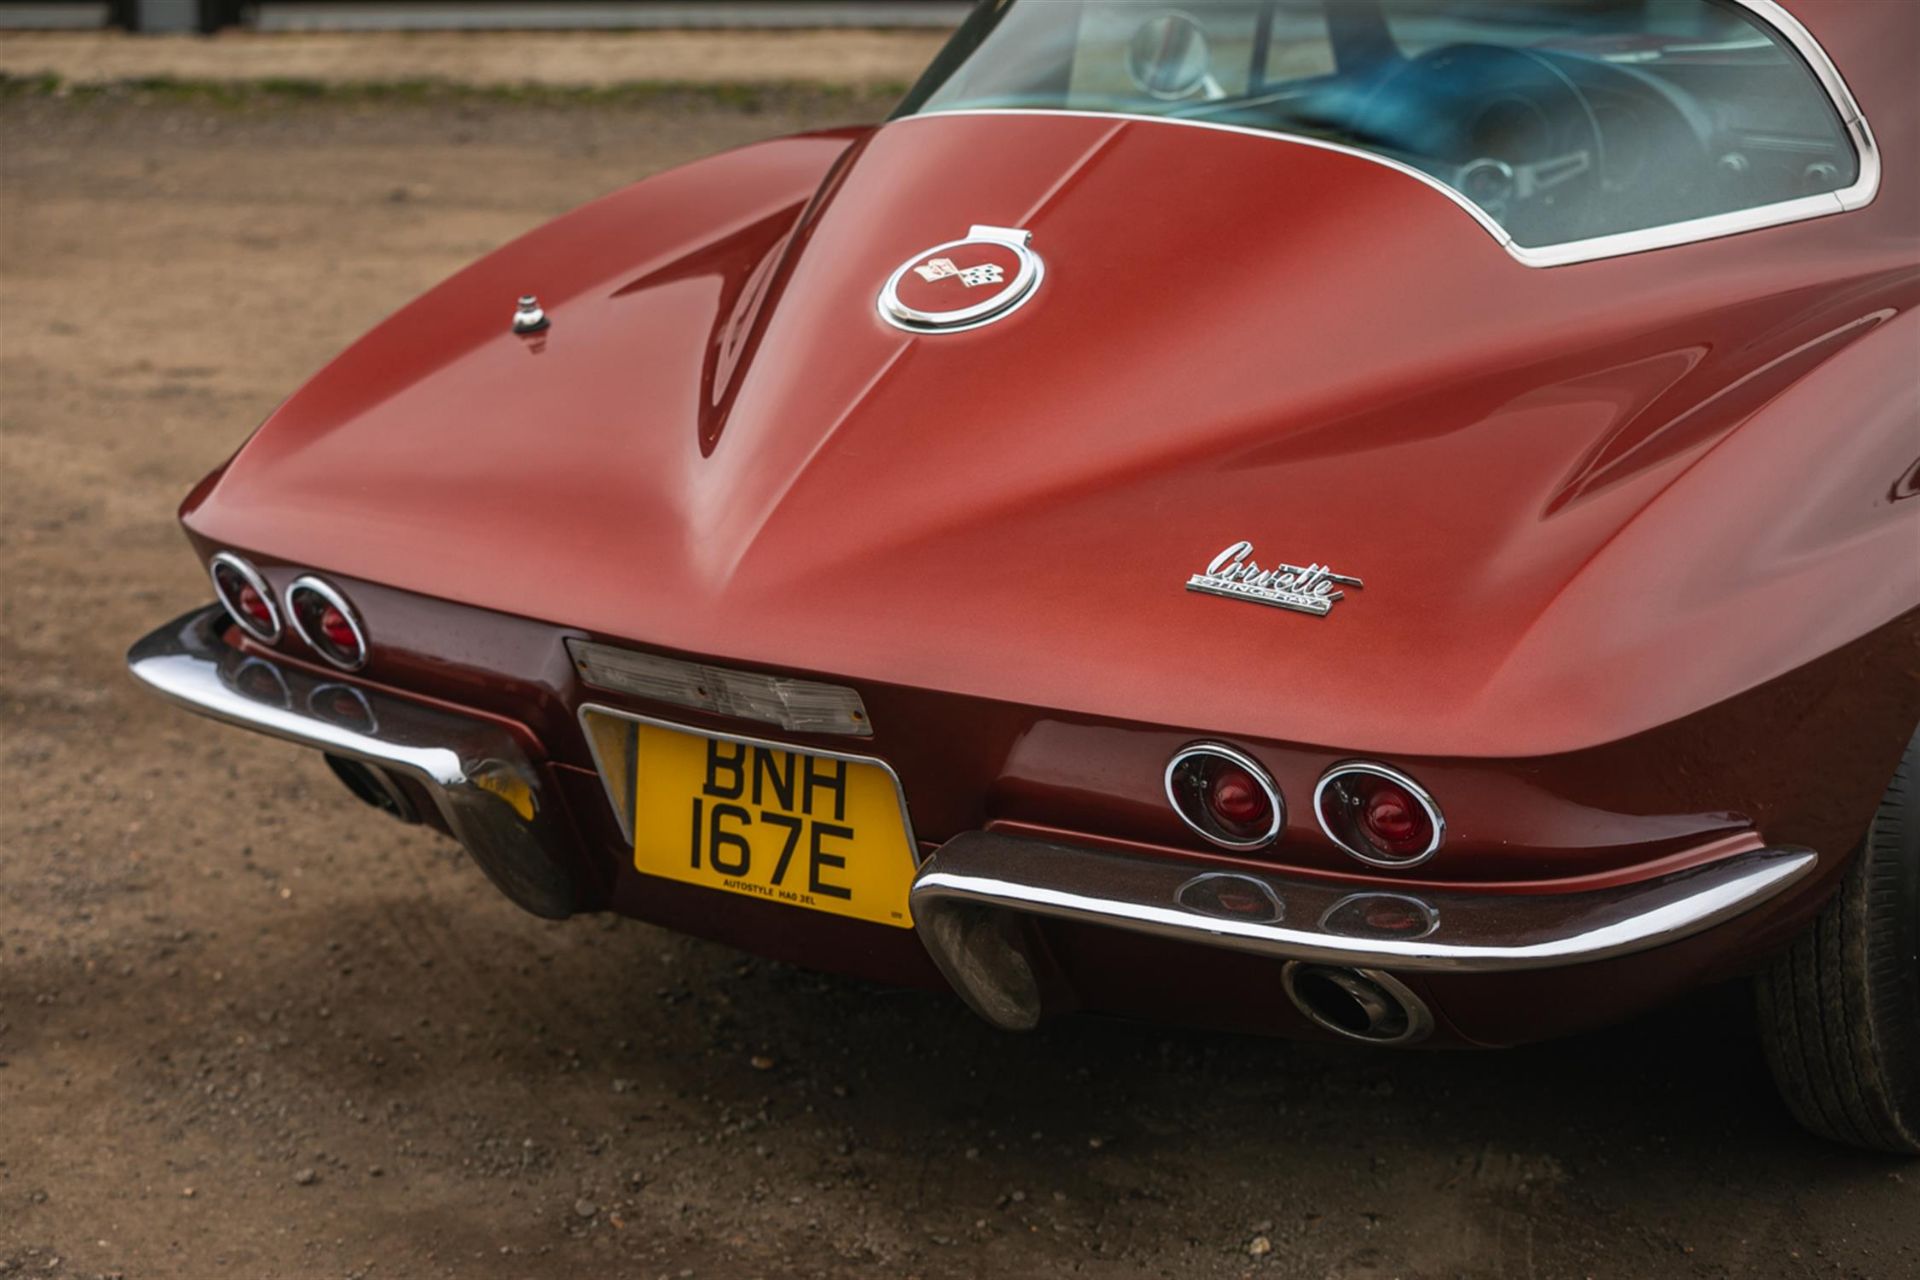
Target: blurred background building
180, 16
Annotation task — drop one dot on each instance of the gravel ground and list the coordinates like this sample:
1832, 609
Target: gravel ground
248, 1028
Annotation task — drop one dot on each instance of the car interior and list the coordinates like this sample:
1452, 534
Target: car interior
1562, 120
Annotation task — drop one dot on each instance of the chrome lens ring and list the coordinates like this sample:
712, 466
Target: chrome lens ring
251, 576
1239, 759
330, 595
1358, 848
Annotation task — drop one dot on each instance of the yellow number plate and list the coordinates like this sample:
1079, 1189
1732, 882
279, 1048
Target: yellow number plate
789, 826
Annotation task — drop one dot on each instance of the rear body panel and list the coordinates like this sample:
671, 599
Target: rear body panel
729, 453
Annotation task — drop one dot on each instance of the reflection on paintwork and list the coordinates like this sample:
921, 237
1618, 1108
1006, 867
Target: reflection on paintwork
1231, 897
258, 680
507, 783
1381, 915
343, 705
1908, 485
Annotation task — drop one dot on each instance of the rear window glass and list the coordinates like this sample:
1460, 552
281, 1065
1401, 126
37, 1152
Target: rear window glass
1562, 120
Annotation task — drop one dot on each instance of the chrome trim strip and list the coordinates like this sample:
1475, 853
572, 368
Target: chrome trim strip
331, 594
1465, 930
1414, 789
1254, 768
254, 579
487, 789
1865, 187
620, 809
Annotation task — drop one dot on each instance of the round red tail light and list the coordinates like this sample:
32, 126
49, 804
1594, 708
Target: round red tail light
338, 631
255, 605
246, 597
1379, 815
327, 623
1236, 798
1226, 796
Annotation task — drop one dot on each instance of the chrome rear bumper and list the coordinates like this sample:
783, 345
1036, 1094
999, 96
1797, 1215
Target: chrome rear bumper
971, 895
481, 780
975, 898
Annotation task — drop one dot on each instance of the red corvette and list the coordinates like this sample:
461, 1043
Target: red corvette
1387, 518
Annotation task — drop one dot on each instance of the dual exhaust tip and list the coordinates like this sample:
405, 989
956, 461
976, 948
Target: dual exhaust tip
373, 786
990, 957
1357, 1004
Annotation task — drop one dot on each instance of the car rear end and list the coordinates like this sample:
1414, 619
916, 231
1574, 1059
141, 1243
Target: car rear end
1036, 861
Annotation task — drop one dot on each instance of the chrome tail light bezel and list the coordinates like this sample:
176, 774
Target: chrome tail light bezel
253, 578
330, 594
1357, 847
1234, 756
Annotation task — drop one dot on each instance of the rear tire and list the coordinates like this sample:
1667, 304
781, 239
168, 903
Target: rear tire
1840, 1011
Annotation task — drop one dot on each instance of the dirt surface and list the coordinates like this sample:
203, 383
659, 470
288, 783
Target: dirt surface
249, 1028
581, 59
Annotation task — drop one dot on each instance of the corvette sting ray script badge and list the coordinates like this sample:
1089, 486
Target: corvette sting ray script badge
1236, 575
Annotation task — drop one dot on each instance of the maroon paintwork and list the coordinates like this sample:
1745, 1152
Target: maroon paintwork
1642, 578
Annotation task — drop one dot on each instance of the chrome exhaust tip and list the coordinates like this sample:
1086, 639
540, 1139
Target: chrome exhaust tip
986, 957
372, 785
1357, 1004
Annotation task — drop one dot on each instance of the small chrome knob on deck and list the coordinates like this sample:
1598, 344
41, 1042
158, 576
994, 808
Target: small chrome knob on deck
529, 318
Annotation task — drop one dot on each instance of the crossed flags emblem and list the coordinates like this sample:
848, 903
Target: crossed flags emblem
941, 268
